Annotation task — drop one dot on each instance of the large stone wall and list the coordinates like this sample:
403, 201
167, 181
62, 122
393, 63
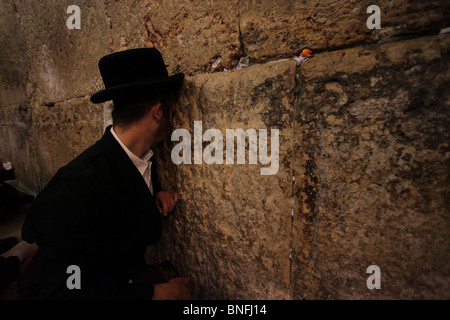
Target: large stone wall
365, 136
362, 130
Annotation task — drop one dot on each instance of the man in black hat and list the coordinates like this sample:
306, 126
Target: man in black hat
101, 211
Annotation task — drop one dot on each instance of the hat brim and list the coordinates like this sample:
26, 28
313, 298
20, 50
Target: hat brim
130, 88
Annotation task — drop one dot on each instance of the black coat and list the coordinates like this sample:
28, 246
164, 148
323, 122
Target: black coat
96, 213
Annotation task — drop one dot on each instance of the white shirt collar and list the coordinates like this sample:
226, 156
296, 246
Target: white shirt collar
140, 163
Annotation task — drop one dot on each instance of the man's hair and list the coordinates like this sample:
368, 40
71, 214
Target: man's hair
134, 107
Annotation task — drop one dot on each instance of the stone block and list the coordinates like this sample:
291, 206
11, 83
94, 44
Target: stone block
63, 62
230, 231
191, 35
371, 167
272, 30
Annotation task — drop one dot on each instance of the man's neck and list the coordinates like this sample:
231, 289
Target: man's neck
135, 138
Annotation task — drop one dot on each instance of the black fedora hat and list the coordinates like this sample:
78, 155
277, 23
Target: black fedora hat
133, 72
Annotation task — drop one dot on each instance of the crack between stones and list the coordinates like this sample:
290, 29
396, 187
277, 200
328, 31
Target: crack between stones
376, 42
330, 50
52, 103
241, 40
293, 202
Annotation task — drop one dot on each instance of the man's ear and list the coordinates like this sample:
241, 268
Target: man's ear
158, 111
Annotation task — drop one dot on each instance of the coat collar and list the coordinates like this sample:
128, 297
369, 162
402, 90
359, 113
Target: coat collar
133, 186
126, 172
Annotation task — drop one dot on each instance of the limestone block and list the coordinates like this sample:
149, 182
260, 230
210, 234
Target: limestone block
191, 35
276, 29
230, 231
63, 131
371, 167
63, 61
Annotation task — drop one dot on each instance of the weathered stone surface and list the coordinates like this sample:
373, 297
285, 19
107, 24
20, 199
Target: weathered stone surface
372, 164
230, 231
276, 29
61, 132
13, 77
63, 62
191, 35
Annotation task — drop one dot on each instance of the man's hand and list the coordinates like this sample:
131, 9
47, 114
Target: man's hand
166, 201
175, 289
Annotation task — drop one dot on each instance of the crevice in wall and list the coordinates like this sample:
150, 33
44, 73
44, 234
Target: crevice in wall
108, 21
382, 40
24, 55
241, 40
293, 202
53, 103
367, 44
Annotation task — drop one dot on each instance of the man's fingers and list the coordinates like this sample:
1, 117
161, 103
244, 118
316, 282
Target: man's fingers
164, 208
158, 205
166, 201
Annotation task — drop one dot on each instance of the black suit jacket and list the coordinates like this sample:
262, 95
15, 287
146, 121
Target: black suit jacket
96, 213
